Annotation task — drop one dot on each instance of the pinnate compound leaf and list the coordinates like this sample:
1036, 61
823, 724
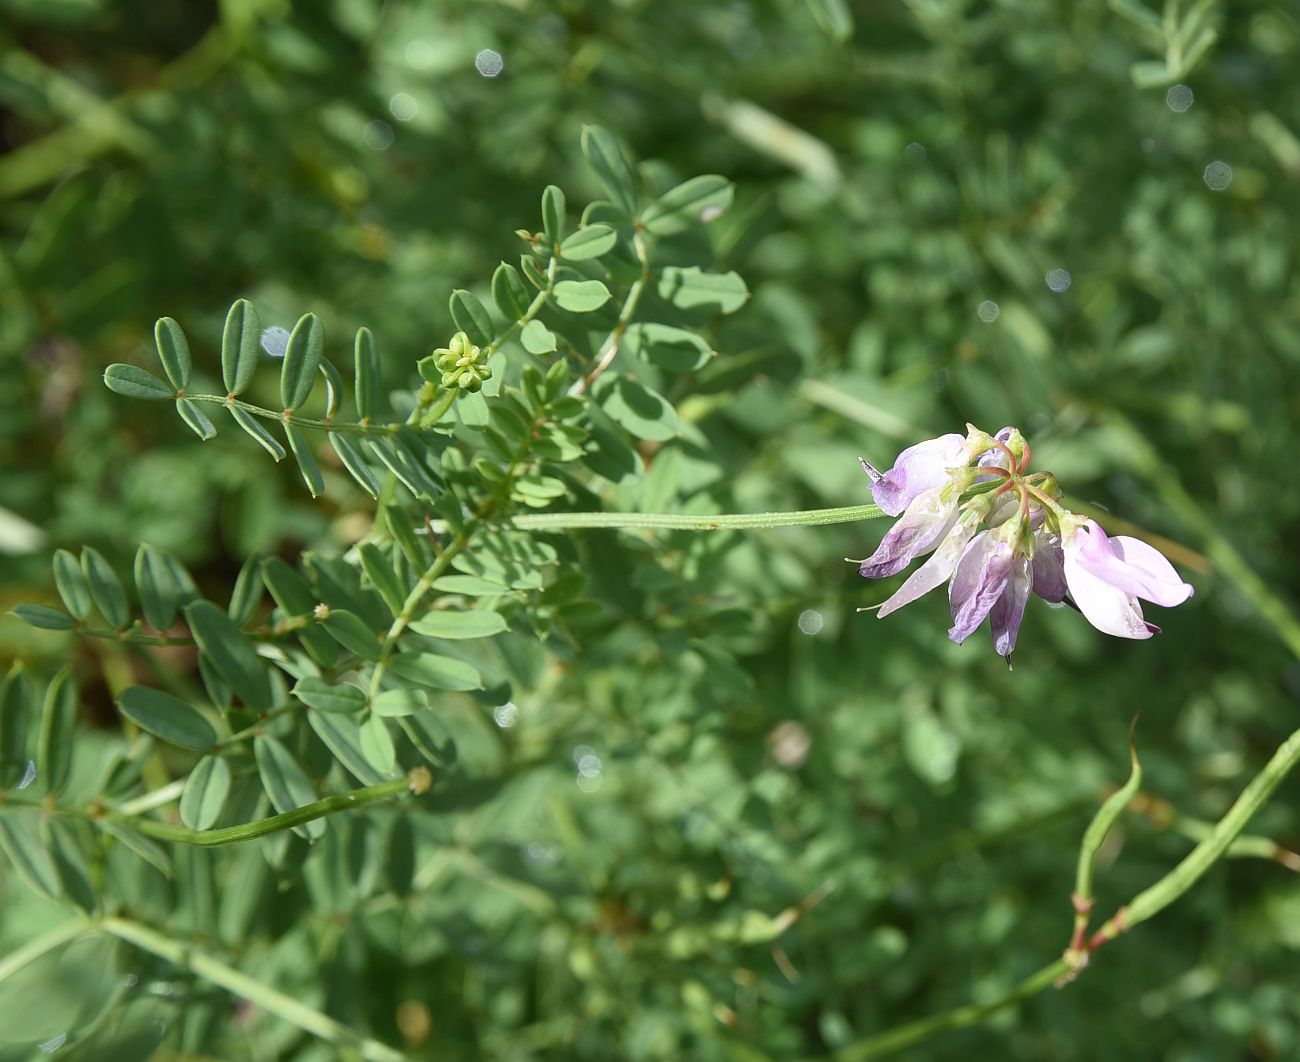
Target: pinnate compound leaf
611, 167
70, 581
301, 361
134, 382
167, 717
480, 623
230, 653
198, 421
285, 782
697, 201
257, 430
173, 351
239, 341
471, 317
581, 296
205, 793
160, 592
105, 587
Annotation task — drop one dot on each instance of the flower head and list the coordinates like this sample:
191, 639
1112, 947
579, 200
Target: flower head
1008, 537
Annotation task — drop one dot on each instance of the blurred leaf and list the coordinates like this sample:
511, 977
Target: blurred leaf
21, 842
440, 672
509, 293
697, 201
329, 697
640, 410
71, 584
611, 167
355, 463
205, 793
377, 744
160, 592
247, 593
537, 338
58, 726
480, 623
45, 617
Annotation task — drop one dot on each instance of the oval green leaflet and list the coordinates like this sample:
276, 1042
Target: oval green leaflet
173, 351
301, 361
286, 784
167, 717
239, 347
134, 382
479, 623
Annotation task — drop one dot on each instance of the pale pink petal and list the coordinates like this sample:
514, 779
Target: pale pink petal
1104, 605
917, 469
1162, 584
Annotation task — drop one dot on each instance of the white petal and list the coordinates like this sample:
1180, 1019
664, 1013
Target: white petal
1106, 607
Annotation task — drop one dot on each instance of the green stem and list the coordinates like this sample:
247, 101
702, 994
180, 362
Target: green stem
256, 992
1145, 905
294, 418
682, 522
1169, 888
971, 1014
416, 782
64, 933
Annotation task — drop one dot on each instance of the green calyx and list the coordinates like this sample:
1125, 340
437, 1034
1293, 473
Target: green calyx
459, 365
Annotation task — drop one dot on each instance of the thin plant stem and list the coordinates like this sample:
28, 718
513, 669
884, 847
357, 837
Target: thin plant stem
50, 940
256, 992
1145, 905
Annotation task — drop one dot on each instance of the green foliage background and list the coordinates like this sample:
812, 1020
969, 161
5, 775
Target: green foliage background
893, 172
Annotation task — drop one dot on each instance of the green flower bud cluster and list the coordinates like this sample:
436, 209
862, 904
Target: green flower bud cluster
459, 364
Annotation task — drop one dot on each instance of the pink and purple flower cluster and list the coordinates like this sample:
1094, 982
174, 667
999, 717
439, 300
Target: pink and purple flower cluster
1009, 538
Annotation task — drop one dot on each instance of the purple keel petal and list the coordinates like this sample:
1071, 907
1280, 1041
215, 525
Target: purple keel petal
1004, 619
1049, 567
978, 582
917, 469
928, 518
935, 570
